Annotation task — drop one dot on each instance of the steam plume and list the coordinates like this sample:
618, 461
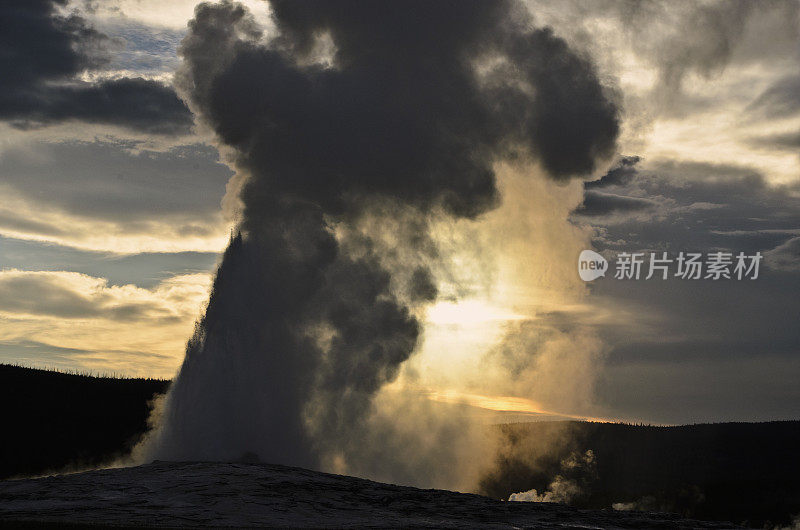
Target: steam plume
351, 114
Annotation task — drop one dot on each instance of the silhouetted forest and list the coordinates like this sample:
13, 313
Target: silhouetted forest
54, 420
740, 472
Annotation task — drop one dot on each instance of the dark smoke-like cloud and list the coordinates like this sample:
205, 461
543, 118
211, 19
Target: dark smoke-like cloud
620, 174
41, 54
409, 109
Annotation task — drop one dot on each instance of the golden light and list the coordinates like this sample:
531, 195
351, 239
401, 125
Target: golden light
503, 404
468, 312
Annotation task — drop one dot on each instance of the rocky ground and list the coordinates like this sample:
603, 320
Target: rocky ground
167, 494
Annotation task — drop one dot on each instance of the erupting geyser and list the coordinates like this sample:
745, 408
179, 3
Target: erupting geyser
350, 113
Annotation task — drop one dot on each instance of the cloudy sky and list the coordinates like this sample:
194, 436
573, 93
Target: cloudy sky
116, 206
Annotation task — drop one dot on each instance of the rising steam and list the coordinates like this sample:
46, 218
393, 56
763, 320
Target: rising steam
355, 127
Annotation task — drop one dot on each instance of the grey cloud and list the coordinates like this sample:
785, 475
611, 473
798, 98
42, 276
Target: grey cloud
686, 391
136, 103
787, 141
596, 204
34, 352
144, 270
41, 54
681, 38
16, 223
46, 295
780, 100
712, 31
700, 207
785, 256
119, 181
39, 354
685, 36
